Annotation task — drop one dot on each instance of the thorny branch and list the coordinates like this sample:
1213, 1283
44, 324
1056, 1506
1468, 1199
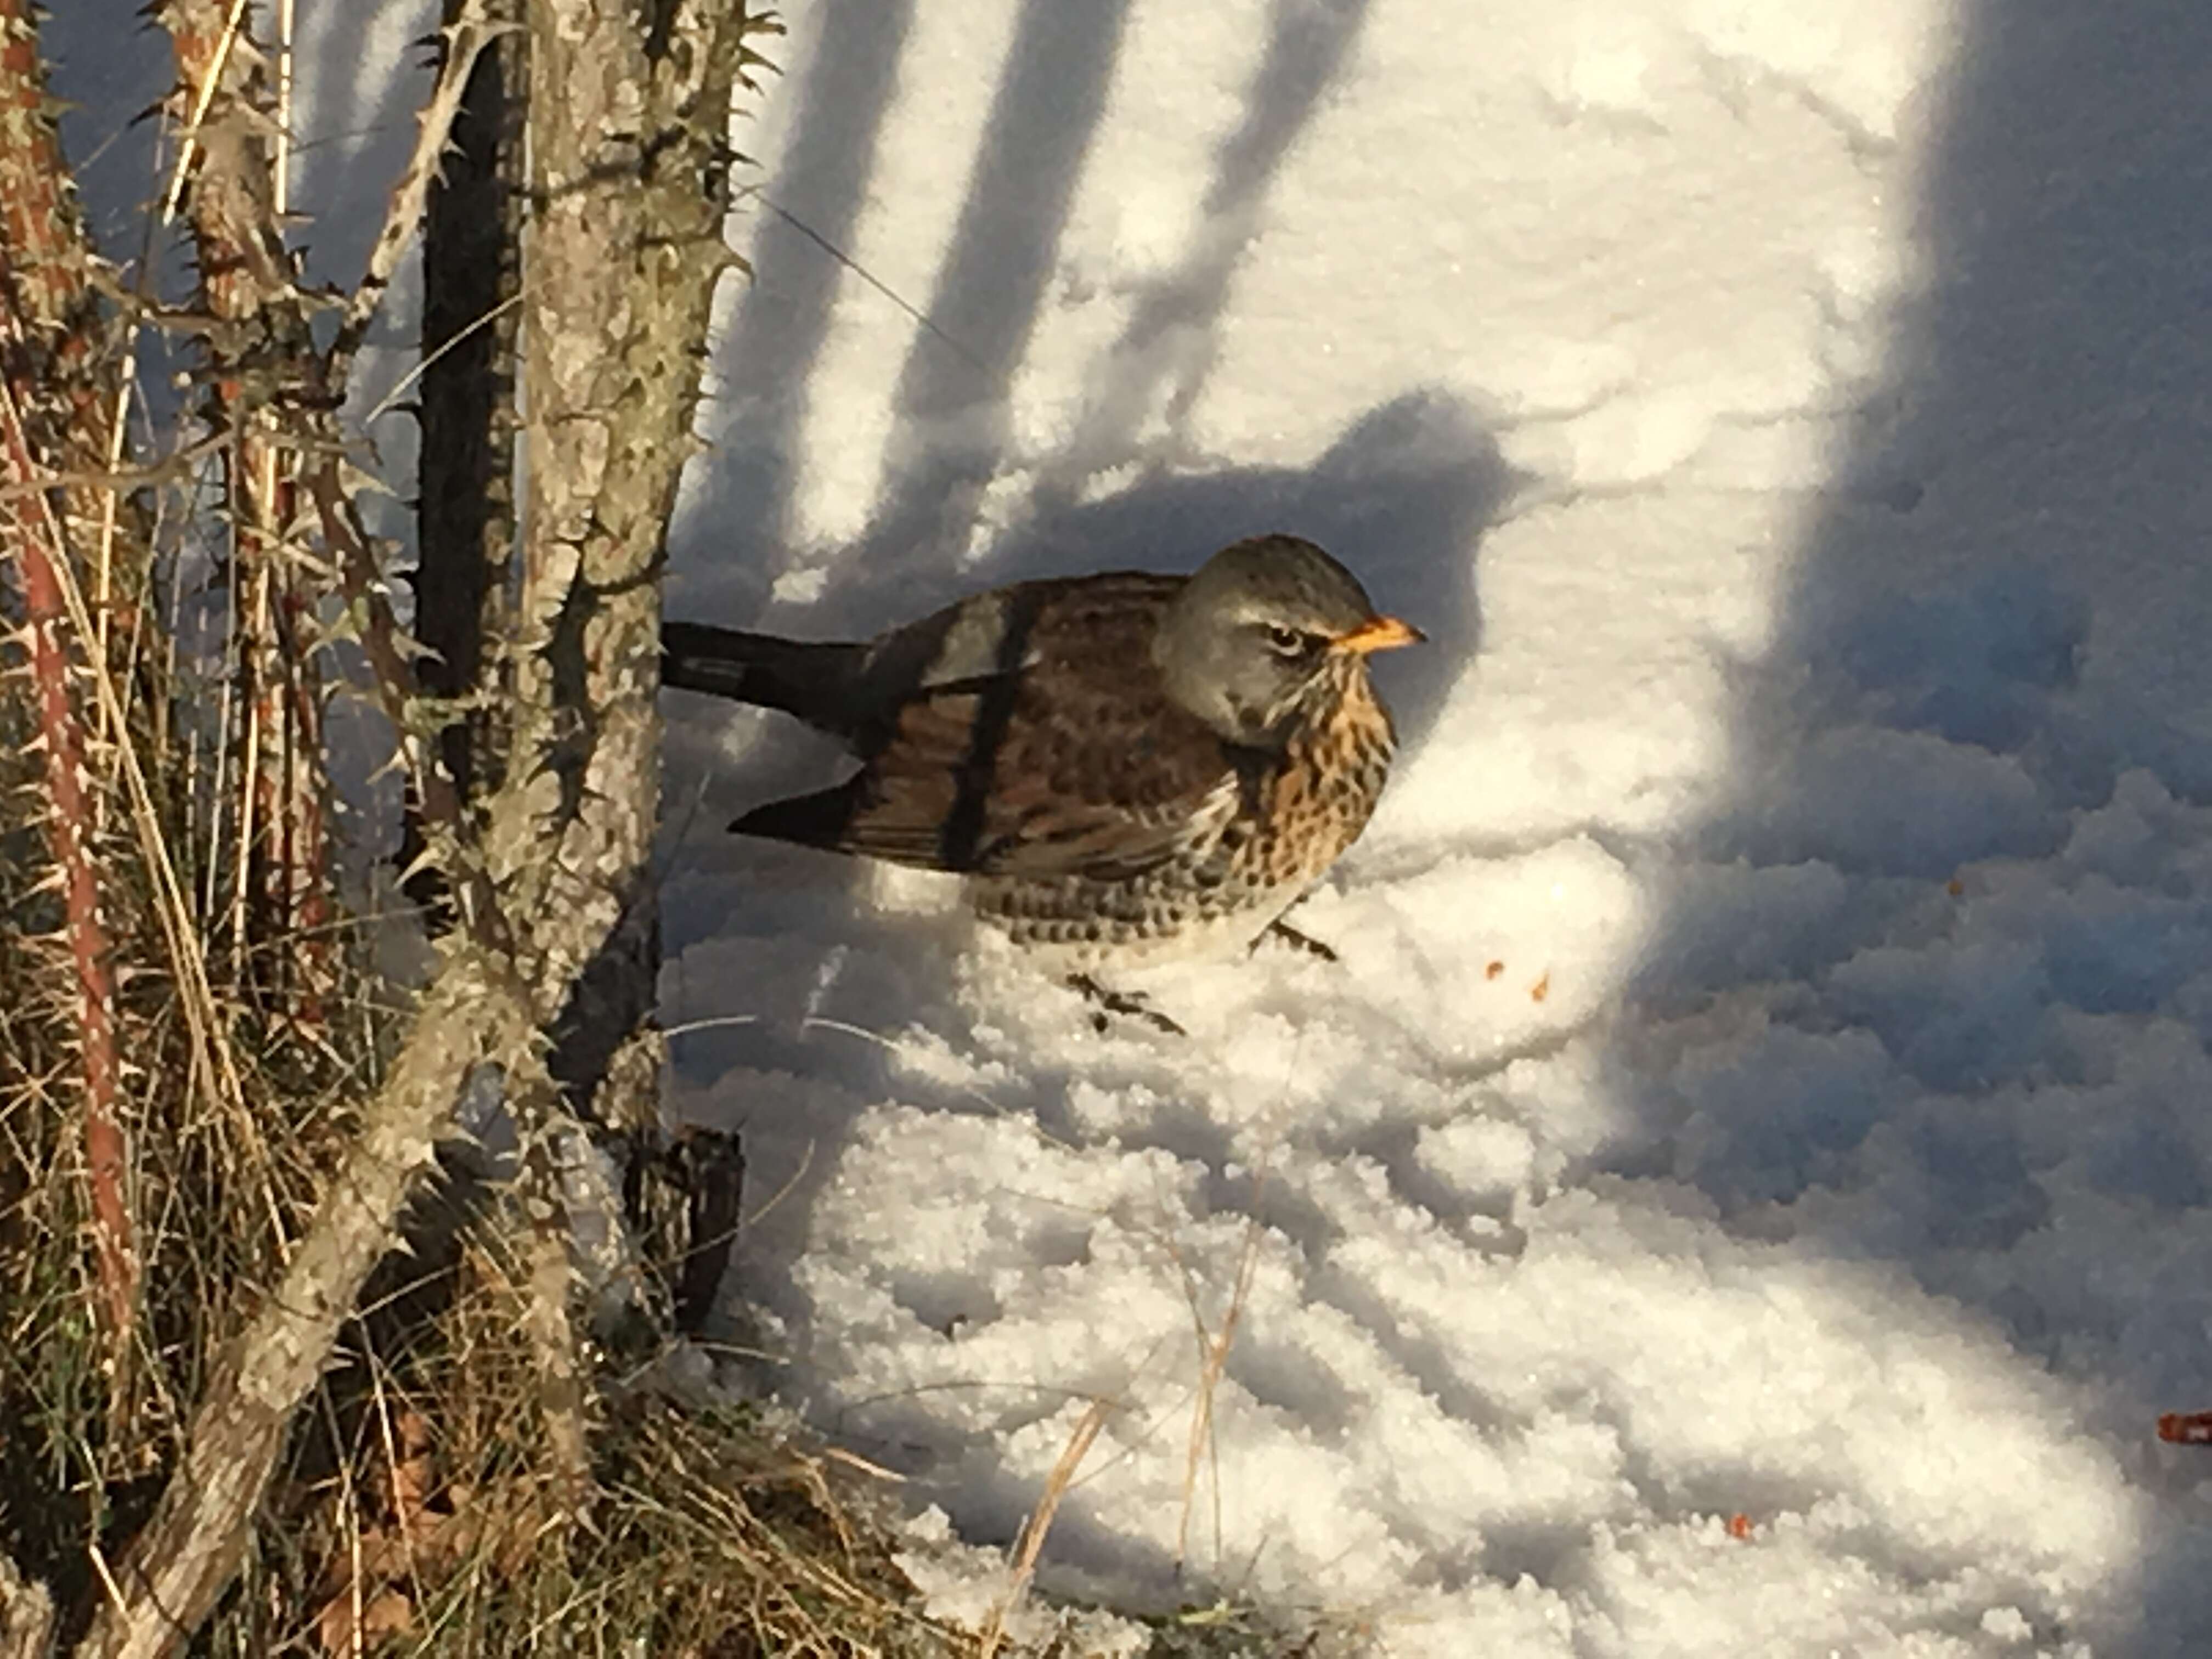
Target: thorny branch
41, 556
47, 351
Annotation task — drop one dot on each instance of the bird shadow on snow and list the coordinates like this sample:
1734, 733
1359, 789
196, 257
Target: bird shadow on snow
1937, 994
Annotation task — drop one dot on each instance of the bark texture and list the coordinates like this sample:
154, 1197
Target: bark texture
629, 149
630, 154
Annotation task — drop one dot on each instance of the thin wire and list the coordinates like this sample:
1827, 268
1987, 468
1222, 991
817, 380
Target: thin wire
861, 271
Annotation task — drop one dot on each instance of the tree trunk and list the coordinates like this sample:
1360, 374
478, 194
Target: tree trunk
628, 152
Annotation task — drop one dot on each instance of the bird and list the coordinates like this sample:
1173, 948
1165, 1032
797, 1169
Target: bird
1128, 768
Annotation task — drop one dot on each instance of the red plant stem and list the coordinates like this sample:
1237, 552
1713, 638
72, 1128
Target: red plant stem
68, 831
45, 303
290, 866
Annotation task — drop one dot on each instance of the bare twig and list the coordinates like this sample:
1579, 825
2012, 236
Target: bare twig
169, 468
406, 382
216, 62
47, 344
467, 36
393, 679
210, 1047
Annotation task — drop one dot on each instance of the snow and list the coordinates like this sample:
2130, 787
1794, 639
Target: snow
1744, 1189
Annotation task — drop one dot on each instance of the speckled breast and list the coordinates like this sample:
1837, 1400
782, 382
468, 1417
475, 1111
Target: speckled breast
1323, 792
1299, 811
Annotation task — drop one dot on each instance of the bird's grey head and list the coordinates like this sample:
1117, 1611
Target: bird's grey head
1266, 629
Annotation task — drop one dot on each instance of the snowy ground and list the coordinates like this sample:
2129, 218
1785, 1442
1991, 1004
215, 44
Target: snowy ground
1766, 1075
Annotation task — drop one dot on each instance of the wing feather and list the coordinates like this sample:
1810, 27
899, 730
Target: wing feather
1068, 759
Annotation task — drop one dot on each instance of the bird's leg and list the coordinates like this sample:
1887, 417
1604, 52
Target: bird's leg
1297, 941
1118, 1002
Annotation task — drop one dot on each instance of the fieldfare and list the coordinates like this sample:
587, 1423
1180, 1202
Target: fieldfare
1129, 768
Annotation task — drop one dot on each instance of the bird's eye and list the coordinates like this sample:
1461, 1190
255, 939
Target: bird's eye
1286, 641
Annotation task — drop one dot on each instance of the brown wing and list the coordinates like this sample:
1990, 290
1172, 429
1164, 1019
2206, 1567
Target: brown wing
1049, 749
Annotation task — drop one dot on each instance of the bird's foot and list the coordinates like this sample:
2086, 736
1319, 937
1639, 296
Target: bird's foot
1297, 941
1110, 1003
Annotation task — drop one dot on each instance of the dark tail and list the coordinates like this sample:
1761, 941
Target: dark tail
818, 683
822, 819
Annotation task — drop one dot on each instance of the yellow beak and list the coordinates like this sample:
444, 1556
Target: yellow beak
1381, 633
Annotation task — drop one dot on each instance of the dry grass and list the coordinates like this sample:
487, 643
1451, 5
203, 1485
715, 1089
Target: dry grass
418, 1511
219, 1181
704, 1532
